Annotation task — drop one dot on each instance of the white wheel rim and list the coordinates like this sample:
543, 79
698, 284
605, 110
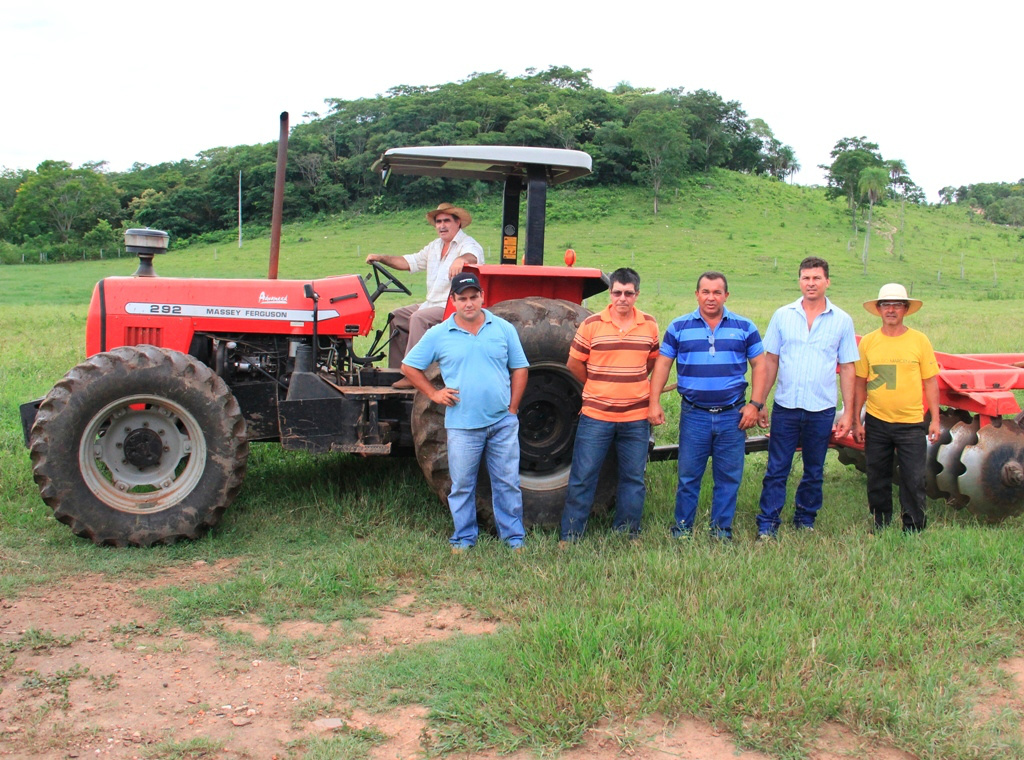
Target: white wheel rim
142, 488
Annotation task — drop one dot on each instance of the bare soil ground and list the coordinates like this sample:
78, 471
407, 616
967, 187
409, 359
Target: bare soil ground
101, 680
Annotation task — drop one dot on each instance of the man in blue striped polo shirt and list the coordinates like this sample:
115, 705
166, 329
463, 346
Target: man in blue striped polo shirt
711, 348
804, 342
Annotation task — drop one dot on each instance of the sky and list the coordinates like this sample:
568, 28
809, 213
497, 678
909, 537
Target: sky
124, 82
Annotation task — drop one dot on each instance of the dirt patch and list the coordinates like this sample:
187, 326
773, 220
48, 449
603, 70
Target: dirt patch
86, 672
999, 699
653, 738
836, 742
399, 624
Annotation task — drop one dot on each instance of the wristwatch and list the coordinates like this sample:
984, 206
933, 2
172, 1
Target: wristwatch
758, 405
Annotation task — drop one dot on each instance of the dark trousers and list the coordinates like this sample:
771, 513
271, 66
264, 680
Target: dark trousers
907, 442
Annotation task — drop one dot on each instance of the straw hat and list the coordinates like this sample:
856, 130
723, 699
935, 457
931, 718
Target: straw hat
446, 208
893, 291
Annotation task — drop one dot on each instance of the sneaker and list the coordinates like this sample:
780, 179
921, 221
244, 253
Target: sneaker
804, 528
461, 548
721, 536
682, 534
765, 538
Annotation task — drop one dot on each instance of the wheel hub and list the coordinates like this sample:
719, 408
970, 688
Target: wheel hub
1012, 475
547, 418
143, 448
142, 453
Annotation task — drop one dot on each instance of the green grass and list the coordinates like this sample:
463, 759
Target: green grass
897, 638
350, 744
195, 748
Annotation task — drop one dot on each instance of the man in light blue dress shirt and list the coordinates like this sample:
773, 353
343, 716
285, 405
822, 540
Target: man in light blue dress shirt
804, 342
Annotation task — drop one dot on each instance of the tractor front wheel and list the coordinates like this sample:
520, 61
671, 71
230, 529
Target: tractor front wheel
139, 446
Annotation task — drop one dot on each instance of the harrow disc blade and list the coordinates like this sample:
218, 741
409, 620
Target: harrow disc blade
993, 480
947, 420
948, 458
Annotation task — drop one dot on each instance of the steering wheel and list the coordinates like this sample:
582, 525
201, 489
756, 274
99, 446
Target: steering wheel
384, 287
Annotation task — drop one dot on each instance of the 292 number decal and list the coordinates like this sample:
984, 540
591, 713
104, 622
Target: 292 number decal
163, 308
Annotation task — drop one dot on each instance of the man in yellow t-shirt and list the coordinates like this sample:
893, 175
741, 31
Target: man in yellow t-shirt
896, 363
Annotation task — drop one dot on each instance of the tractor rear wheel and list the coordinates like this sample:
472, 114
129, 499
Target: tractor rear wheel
139, 446
548, 415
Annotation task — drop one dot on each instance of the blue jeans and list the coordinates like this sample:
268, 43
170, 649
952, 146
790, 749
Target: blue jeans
702, 435
499, 444
593, 439
792, 428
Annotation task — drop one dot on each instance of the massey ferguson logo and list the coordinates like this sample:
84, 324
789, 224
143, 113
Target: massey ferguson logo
264, 298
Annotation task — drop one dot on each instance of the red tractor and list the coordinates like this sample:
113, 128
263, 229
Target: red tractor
146, 441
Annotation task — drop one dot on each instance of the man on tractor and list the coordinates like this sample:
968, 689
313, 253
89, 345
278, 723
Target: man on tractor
442, 259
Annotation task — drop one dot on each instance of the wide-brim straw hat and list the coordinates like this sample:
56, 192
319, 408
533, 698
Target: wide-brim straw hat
464, 217
893, 291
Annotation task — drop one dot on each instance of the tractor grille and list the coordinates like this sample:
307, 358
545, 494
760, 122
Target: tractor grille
136, 336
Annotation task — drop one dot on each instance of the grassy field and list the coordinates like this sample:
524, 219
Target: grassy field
896, 638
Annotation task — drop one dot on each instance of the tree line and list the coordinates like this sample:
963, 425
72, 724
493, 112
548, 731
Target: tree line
1001, 202
635, 135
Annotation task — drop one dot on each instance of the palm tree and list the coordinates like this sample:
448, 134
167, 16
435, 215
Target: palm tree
900, 179
792, 166
872, 185
897, 169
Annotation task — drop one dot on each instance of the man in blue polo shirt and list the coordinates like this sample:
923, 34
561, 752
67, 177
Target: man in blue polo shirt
803, 344
484, 370
711, 348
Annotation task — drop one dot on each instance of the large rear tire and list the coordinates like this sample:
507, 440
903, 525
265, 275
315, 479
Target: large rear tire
548, 416
139, 446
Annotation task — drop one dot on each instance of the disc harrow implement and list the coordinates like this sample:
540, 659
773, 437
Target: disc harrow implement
978, 462
947, 462
993, 478
933, 470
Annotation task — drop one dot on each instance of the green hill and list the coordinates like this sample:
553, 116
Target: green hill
754, 229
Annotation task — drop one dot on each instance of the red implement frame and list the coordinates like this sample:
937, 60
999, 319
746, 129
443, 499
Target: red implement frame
982, 384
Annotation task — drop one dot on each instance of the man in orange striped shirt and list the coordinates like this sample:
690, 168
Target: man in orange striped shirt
612, 355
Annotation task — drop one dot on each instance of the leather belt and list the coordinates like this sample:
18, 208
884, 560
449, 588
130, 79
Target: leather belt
717, 409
